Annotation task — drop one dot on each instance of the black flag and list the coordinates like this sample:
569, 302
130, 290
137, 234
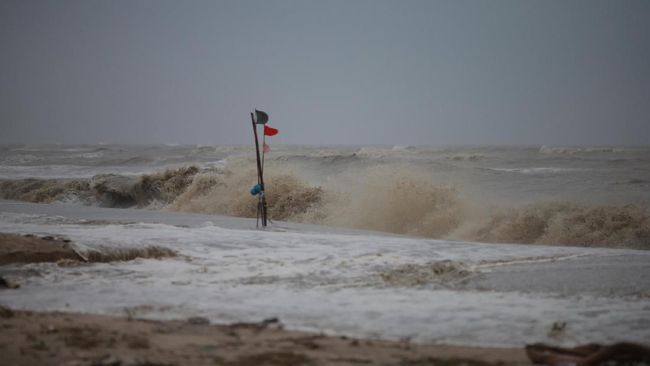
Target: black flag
261, 117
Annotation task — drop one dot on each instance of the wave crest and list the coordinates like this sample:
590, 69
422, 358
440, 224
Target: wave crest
573, 150
227, 192
125, 191
388, 198
110, 190
44, 190
570, 224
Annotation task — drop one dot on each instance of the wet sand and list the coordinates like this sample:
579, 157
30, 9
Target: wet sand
30, 248
33, 249
54, 338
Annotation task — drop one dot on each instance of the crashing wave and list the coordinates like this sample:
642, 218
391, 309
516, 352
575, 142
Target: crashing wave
570, 224
109, 190
573, 150
468, 157
384, 198
227, 192
44, 190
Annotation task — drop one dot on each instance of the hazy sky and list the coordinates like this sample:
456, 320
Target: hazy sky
327, 72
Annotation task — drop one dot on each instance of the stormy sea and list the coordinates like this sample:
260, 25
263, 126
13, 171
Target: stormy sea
477, 245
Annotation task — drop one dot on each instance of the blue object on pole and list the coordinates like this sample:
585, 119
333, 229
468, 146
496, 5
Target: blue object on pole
256, 189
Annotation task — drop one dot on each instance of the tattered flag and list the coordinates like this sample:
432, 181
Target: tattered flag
261, 117
270, 131
266, 148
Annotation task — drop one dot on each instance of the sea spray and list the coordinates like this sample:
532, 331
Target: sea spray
226, 192
398, 200
569, 223
392, 198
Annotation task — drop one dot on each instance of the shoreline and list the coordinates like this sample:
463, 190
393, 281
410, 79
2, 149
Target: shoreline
387, 287
37, 338
54, 337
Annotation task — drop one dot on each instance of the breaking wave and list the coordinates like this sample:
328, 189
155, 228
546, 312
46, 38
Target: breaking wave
44, 190
154, 189
227, 192
572, 150
109, 190
571, 224
388, 198
468, 157
396, 200
393, 199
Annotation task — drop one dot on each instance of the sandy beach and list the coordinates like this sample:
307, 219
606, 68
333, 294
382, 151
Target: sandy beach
37, 338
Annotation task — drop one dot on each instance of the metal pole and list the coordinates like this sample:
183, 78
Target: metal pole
260, 176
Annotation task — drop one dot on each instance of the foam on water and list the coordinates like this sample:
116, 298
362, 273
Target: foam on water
362, 285
539, 170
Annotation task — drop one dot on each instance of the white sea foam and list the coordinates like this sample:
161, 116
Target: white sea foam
537, 170
320, 281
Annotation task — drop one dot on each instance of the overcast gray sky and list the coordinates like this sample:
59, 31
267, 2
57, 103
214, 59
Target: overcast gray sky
327, 72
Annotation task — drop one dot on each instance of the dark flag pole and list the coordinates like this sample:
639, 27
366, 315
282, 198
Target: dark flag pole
260, 176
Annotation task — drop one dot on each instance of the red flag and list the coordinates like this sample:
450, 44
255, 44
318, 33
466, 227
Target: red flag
266, 148
270, 131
